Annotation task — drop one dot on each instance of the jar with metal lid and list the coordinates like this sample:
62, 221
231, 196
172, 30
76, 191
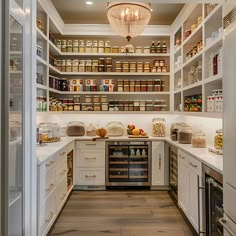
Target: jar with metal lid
75, 65
137, 87
185, 134
164, 69
159, 69
118, 64
126, 88
144, 88
75, 45
108, 68
104, 106
138, 49
63, 45
125, 65
88, 48
96, 107
149, 88
218, 139
146, 49
101, 68
132, 65
82, 66
158, 127
115, 49
142, 102
96, 99
118, 69
140, 65
162, 63
107, 49
199, 140
104, 99
69, 46
95, 46
87, 107
88, 66
149, 107
81, 46
88, 99
108, 61
68, 66
58, 44
101, 61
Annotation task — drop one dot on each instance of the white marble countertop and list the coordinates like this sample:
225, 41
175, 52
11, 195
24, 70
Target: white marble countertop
202, 154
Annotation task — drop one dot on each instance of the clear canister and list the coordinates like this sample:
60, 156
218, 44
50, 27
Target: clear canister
158, 127
218, 140
199, 140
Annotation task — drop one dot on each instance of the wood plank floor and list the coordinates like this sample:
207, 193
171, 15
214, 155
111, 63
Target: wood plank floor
120, 213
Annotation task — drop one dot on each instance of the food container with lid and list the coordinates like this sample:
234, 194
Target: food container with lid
75, 128
146, 49
199, 140
115, 49
91, 130
185, 134
218, 140
158, 127
115, 128
138, 49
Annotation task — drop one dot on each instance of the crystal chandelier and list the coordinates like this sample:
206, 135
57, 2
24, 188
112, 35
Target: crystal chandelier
128, 19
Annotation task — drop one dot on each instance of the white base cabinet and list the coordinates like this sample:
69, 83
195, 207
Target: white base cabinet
90, 164
158, 163
189, 172
52, 189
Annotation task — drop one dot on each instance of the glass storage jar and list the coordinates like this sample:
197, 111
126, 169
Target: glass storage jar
218, 140
115, 128
75, 128
158, 127
199, 140
185, 134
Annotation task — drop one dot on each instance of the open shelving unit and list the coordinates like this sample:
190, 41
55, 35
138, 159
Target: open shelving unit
49, 49
209, 31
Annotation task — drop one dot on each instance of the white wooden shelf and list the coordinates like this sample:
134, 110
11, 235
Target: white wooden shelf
214, 44
15, 72
207, 18
177, 50
41, 60
199, 83
194, 34
40, 86
109, 112
193, 59
212, 79
53, 69
178, 70
178, 91
41, 35
106, 93
14, 197
53, 49
202, 114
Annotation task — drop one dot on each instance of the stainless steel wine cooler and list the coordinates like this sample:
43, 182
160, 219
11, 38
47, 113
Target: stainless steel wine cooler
128, 163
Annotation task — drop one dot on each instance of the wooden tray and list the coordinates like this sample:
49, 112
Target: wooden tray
94, 139
137, 136
52, 140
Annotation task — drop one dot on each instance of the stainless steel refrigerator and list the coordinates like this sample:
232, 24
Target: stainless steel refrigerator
229, 118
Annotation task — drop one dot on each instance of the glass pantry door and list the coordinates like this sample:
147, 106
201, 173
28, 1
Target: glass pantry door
16, 135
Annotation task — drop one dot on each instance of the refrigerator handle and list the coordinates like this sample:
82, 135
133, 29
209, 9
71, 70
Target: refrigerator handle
223, 222
199, 202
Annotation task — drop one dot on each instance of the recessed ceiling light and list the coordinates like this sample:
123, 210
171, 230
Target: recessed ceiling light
89, 3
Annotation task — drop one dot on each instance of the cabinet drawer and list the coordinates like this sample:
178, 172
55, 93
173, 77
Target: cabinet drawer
182, 156
47, 213
90, 176
61, 170
194, 165
47, 183
61, 192
91, 159
90, 144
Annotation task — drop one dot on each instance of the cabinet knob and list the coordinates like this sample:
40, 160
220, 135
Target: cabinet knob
90, 176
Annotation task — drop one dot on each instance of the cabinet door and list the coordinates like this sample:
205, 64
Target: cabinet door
157, 163
183, 184
193, 199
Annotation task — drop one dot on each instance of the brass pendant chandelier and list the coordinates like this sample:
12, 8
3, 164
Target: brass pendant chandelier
128, 19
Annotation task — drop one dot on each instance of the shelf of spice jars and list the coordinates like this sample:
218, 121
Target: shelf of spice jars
41, 35
213, 78
54, 70
109, 112
105, 93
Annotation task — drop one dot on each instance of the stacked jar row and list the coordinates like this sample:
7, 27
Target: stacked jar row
75, 65
107, 85
140, 85
100, 46
195, 50
100, 103
157, 66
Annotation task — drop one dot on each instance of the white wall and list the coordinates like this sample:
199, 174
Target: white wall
144, 121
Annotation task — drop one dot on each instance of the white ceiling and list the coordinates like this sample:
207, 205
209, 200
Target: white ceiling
77, 12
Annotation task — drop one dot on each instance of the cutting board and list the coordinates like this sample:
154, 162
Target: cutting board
137, 136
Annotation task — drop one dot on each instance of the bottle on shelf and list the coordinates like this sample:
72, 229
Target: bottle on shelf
158, 47
164, 47
153, 47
